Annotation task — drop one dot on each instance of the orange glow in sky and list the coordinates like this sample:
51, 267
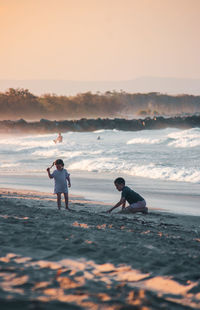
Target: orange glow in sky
99, 39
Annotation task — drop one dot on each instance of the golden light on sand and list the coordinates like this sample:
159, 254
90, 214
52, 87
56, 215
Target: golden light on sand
20, 260
83, 225
14, 217
67, 283
88, 242
39, 285
167, 285
10, 282
7, 258
145, 232
69, 279
103, 226
51, 270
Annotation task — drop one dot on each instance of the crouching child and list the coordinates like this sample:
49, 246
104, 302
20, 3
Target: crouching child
136, 202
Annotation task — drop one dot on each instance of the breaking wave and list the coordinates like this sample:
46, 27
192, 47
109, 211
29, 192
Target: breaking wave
167, 154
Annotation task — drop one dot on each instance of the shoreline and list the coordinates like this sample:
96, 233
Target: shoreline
167, 196
79, 200
89, 259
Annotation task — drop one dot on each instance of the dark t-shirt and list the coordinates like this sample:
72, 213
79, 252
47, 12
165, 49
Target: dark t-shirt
130, 195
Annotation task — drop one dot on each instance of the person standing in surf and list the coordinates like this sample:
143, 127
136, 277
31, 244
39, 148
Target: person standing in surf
59, 139
61, 182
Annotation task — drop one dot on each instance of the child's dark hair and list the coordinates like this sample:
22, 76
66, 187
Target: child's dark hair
59, 162
119, 181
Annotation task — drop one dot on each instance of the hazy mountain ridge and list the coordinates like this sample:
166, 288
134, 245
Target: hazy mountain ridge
142, 84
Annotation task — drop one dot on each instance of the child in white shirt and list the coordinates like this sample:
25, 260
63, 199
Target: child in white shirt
62, 182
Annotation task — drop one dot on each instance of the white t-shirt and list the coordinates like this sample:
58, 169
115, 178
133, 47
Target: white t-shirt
60, 181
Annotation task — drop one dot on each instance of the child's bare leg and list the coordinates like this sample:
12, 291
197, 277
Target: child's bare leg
139, 209
66, 201
59, 200
139, 206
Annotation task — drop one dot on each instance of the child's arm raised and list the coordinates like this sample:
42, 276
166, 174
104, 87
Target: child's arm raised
49, 174
121, 202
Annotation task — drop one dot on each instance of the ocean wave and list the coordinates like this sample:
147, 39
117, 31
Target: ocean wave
159, 154
9, 165
99, 131
186, 138
152, 171
24, 144
179, 139
54, 153
145, 141
104, 164
106, 130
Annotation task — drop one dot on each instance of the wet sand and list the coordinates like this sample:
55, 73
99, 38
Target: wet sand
174, 197
88, 259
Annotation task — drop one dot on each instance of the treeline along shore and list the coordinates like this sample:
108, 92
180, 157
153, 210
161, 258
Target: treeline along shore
20, 103
46, 126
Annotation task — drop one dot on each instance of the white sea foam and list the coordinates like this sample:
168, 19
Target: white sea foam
186, 138
105, 130
99, 131
168, 154
165, 173
178, 139
56, 153
9, 165
151, 171
23, 143
145, 141
103, 164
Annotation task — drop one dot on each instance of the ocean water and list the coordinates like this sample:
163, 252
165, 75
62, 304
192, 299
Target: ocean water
166, 161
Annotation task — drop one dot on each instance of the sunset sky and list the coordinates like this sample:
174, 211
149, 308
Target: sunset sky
99, 39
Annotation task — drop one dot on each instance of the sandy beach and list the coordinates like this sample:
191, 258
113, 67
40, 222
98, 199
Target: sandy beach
88, 259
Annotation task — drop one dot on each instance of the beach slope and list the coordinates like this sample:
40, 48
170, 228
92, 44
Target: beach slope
88, 259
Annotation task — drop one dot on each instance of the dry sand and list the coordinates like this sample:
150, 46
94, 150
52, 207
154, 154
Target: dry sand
88, 259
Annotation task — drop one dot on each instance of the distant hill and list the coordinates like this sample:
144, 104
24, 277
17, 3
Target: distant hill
142, 85
21, 103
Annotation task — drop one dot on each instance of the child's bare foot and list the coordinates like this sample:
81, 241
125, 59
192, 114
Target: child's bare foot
68, 209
